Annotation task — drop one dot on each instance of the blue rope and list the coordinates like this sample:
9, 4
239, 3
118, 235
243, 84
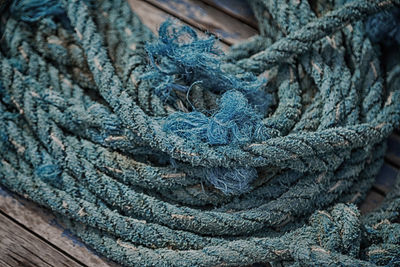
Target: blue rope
164, 152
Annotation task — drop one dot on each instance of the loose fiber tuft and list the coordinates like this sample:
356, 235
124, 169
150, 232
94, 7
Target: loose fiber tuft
235, 122
49, 173
80, 139
180, 58
231, 181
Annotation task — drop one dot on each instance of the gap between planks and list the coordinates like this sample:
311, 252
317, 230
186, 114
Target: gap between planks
393, 152
237, 9
19, 247
207, 18
386, 178
43, 224
142, 9
43, 227
161, 12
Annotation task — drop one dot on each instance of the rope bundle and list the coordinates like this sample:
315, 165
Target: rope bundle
124, 152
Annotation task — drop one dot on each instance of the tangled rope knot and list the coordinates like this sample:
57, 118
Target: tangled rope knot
167, 153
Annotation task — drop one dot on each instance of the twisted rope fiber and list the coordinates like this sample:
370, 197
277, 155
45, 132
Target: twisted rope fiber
121, 150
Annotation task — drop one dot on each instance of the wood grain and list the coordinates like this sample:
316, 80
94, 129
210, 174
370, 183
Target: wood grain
19, 247
207, 18
150, 16
157, 17
393, 151
29, 245
386, 178
44, 224
372, 201
237, 9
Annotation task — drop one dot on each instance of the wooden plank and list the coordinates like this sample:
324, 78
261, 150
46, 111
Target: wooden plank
386, 178
393, 151
44, 224
157, 17
372, 201
236, 8
19, 247
150, 16
207, 18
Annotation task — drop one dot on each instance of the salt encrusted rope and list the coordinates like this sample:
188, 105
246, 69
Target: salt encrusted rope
82, 133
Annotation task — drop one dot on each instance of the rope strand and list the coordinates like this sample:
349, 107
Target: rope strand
204, 163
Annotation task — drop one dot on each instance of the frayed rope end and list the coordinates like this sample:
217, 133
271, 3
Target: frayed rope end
235, 122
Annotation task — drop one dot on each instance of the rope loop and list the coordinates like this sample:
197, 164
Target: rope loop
163, 151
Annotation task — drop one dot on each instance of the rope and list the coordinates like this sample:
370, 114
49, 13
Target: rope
163, 152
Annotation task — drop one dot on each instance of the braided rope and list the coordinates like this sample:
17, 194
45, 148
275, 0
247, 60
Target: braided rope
82, 134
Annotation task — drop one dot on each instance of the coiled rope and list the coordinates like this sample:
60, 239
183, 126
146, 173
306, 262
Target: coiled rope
152, 164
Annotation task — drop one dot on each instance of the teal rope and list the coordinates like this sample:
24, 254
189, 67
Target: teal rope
82, 134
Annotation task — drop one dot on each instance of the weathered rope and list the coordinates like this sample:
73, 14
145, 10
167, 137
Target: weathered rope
178, 162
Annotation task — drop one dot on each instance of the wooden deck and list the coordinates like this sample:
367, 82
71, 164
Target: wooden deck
32, 236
